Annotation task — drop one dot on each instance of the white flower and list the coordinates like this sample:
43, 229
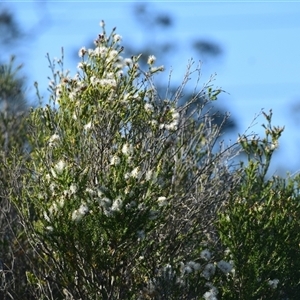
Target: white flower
117, 38
175, 114
94, 80
81, 65
58, 168
212, 293
151, 60
115, 160
127, 62
172, 126
126, 149
87, 126
105, 202
205, 254
49, 228
73, 188
149, 107
83, 209
194, 265
108, 82
53, 209
208, 271
48, 177
58, 90
61, 202
273, 283
148, 175
224, 266
135, 172
53, 139
81, 52
72, 97
154, 123
157, 69
162, 201
46, 217
100, 51
112, 55
117, 204
78, 214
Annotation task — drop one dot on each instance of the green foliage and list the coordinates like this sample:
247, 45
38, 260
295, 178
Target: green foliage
124, 195
13, 242
120, 185
260, 227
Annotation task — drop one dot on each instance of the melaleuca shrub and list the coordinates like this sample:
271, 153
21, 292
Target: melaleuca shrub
259, 227
121, 189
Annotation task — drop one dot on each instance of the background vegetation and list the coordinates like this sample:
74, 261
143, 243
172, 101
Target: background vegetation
110, 191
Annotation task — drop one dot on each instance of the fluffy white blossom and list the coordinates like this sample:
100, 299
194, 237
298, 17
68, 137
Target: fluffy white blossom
108, 82
58, 168
115, 160
273, 283
195, 266
209, 271
135, 173
73, 188
126, 149
49, 228
151, 60
224, 266
117, 38
100, 51
78, 214
82, 52
53, 139
148, 175
117, 204
87, 126
162, 201
205, 254
157, 69
127, 62
149, 107
94, 80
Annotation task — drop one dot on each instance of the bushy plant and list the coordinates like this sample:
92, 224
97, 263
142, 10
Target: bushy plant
13, 128
260, 226
127, 195
121, 188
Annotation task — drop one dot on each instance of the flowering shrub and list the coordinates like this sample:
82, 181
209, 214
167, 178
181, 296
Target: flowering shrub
260, 227
125, 195
121, 187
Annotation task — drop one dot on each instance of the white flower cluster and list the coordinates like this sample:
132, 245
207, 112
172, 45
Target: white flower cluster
162, 201
108, 206
58, 168
79, 213
189, 267
205, 254
212, 293
273, 283
224, 266
151, 60
53, 140
173, 125
54, 209
209, 271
